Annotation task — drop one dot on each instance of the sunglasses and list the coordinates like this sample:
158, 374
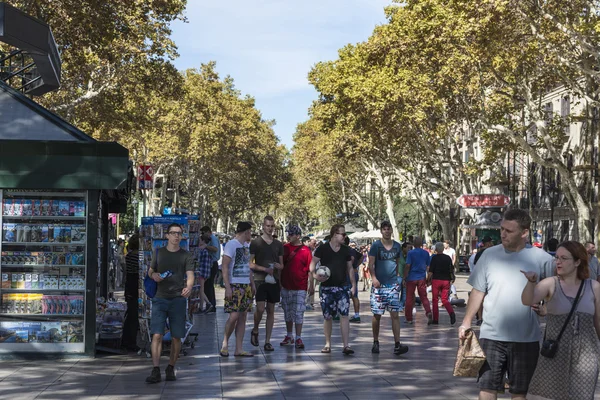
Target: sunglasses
175, 233
341, 233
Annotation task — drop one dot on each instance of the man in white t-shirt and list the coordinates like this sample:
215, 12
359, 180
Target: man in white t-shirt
239, 287
449, 251
510, 333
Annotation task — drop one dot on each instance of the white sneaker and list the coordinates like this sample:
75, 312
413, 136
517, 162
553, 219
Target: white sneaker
414, 310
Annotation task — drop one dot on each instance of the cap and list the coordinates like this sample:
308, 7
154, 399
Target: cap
486, 239
293, 230
243, 226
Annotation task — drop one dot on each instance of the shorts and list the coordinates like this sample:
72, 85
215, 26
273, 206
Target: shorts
241, 298
175, 310
518, 359
335, 300
293, 303
268, 292
386, 297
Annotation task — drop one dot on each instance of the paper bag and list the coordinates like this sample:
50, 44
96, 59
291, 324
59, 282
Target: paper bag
470, 357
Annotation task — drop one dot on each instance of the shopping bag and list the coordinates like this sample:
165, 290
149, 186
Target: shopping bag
150, 287
470, 356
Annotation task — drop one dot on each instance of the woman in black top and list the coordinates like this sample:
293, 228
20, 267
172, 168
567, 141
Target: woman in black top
132, 278
440, 274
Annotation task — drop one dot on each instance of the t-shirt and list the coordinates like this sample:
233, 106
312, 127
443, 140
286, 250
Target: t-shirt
357, 258
441, 267
498, 274
401, 264
178, 262
594, 268
214, 241
386, 262
265, 254
295, 271
418, 259
450, 252
337, 262
239, 267
472, 262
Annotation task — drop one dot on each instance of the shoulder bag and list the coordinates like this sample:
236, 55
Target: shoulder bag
549, 346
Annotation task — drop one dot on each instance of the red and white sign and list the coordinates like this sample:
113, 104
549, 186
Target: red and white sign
483, 200
145, 176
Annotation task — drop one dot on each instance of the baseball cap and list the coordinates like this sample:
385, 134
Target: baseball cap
486, 239
293, 230
243, 226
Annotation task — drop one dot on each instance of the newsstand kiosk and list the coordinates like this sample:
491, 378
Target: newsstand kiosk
57, 186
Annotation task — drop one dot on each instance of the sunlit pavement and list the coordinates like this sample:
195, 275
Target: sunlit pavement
425, 372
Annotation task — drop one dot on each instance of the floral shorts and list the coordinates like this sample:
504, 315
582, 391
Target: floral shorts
241, 298
335, 301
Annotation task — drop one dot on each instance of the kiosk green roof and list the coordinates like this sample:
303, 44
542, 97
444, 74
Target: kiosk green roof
40, 150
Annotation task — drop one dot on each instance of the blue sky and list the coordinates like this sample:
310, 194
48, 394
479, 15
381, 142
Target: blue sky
269, 46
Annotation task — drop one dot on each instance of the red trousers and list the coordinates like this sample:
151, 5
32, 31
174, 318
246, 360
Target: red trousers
438, 286
421, 287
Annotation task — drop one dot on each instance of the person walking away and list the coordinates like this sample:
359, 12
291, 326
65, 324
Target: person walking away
266, 262
590, 247
239, 288
384, 256
204, 272
441, 273
334, 295
356, 261
573, 372
170, 300
311, 244
214, 248
406, 247
415, 273
294, 285
132, 280
510, 333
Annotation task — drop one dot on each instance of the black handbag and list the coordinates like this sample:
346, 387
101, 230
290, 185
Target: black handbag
549, 346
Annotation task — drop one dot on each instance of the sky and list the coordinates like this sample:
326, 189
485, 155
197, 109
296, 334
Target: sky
269, 46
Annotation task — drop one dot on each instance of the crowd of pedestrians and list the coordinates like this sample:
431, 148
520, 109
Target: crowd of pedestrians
512, 284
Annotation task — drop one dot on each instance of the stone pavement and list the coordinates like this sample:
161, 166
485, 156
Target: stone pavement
425, 372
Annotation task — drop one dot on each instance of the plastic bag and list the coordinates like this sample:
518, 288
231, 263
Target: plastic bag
470, 356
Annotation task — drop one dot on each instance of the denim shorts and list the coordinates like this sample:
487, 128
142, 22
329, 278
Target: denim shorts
175, 310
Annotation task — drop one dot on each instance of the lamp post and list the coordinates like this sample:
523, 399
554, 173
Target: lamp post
404, 236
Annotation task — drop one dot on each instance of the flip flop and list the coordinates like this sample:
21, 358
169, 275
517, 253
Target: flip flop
347, 351
254, 338
268, 347
326, 350
244, 354
224, 353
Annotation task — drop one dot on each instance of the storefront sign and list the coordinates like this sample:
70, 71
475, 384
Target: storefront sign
483, 200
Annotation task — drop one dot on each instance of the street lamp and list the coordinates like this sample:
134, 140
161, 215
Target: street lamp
405, 232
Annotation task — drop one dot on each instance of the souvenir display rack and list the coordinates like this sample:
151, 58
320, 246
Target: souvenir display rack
43, 270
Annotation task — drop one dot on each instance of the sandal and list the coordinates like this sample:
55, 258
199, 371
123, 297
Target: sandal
224, 353
268, 347
244, 354
254, 338
326, 350
347, 351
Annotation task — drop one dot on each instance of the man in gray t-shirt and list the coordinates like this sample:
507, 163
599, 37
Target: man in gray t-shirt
590, 247
510, 331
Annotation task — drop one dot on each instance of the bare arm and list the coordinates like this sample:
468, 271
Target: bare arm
371, 267
225, 271
475, 300
406, 271
256, 268
351, 275
189, 284
534, 293
312, 274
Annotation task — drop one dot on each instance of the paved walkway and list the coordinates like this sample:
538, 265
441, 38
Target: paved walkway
425, 372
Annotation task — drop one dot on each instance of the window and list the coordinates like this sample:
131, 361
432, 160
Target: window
565, 110
548, 113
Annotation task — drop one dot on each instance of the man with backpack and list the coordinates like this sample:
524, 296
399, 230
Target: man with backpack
294, 285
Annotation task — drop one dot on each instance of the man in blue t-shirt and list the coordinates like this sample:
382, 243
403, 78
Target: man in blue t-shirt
385, 291
415, 272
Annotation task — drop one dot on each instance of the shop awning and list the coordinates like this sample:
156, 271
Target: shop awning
40, 150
